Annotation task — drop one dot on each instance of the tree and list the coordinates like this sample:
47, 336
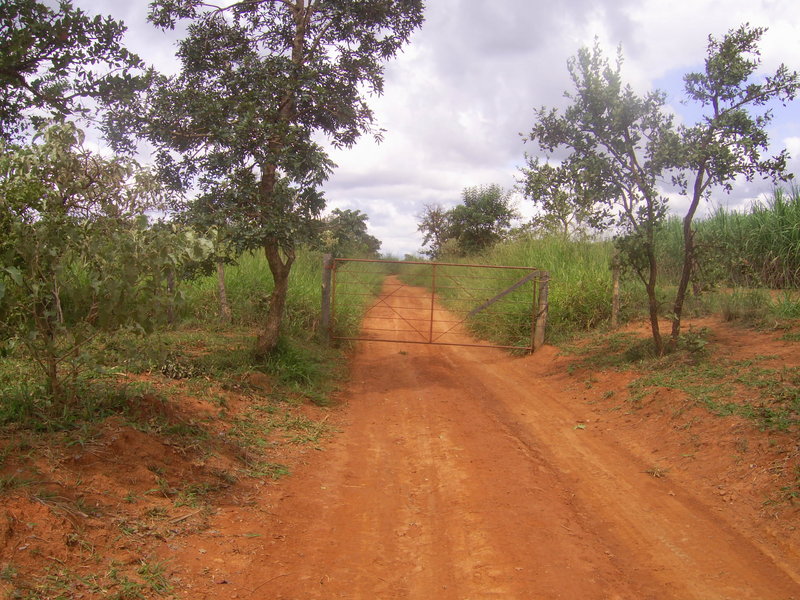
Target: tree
556, 189
260, 81
619, 145
482, 219
76, 252
729, 141
344, 233
434, 224
51, 59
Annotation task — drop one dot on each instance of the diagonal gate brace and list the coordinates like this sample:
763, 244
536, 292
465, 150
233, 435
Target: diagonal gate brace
503, 294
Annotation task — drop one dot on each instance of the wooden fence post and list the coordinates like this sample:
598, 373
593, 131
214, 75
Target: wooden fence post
325, 316
541, 314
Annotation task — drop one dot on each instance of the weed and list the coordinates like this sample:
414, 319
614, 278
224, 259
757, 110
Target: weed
267, 469
192, 494
156, 512
153, 575
657, 472
8, 572
123, 588
12, 482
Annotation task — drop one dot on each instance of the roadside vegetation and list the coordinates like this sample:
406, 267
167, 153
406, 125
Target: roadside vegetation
747, 271
158, 324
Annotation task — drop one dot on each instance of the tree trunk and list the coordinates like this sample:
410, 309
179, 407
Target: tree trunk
615, 274
652, 300
688, 259
280, 268
683, 284
224, 305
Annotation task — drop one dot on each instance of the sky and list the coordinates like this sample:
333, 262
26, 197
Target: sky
463, 92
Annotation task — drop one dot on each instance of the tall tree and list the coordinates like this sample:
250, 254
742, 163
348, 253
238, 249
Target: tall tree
76, 251
618, 146
558, 191
52, 59
260, 81
344, 233
730, 139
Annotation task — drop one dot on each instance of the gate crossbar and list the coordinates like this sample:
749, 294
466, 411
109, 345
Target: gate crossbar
335, 276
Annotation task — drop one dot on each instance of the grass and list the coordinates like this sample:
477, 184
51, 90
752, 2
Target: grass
750, 251
768, 396
579, 289
117, 583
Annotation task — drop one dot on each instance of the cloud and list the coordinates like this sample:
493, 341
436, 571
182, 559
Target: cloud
457, 98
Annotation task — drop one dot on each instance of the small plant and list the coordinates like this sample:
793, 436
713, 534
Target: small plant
267, 469
192, 494
657, 472
11, 482
153, 574
8, 572
157, 512
123, 588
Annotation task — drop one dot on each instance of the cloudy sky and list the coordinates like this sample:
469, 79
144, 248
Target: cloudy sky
458, 98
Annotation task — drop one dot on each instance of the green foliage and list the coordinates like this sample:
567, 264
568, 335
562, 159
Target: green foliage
729, 141
619, 146
49, 60
482, 219
259, 83
579, 289
434, 224
565, 208
580, 283
343, 234
77, 254
757, 247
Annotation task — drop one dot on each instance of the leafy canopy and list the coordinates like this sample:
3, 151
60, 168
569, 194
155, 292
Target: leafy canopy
76, 250
52, 59
260, 82
618, 148
482, 219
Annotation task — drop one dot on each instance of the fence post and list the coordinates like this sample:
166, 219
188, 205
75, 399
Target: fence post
541, 314
325, 316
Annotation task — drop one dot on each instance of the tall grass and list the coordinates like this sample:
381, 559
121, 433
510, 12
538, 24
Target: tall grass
580, 279
249, 285
758, 247
579, 288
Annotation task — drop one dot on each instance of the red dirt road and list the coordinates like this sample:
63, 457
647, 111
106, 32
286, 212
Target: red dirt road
464, 473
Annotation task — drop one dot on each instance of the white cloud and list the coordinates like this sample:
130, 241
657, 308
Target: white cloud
458, 97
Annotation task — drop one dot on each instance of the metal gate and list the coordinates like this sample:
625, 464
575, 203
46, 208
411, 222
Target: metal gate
434, 303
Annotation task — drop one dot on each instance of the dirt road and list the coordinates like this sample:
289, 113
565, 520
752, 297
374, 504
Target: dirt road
463, 473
